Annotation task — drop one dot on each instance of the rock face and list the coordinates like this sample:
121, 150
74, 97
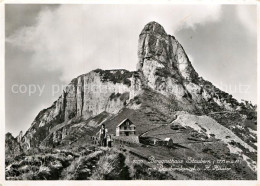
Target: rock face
166, 68
157, 48
163, 67
89, 94
12, 146
86, 96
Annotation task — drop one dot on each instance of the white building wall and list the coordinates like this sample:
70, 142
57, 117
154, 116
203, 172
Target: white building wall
117, 131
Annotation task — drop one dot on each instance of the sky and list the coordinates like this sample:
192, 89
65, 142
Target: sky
49, 45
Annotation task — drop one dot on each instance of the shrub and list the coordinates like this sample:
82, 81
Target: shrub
120, 76
111, 166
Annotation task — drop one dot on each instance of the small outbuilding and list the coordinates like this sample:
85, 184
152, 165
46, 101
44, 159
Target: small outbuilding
168, 141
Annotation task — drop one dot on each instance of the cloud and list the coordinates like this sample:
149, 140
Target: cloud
74, 39
247, 16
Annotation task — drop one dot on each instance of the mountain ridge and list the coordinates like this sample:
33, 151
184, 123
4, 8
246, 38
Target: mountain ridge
176, 67
164, 84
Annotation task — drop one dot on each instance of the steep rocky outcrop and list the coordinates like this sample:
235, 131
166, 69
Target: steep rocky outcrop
158, 49
166, 68
86, 96
12, 146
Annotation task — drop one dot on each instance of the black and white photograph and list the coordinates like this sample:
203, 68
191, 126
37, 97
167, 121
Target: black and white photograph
130, 92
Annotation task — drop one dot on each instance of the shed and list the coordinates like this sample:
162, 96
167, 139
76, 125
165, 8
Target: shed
168, 141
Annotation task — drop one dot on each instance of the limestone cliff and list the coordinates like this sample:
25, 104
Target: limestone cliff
166, 68
165, 52
86, 96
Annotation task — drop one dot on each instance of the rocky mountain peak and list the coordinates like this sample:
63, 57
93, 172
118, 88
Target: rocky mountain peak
158, 50
153, 28
163, 63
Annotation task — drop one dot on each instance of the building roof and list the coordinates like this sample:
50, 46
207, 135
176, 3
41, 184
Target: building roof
167, 139
123, 122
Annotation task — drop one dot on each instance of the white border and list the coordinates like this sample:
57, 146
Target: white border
2, 92
114, 183
129, 1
